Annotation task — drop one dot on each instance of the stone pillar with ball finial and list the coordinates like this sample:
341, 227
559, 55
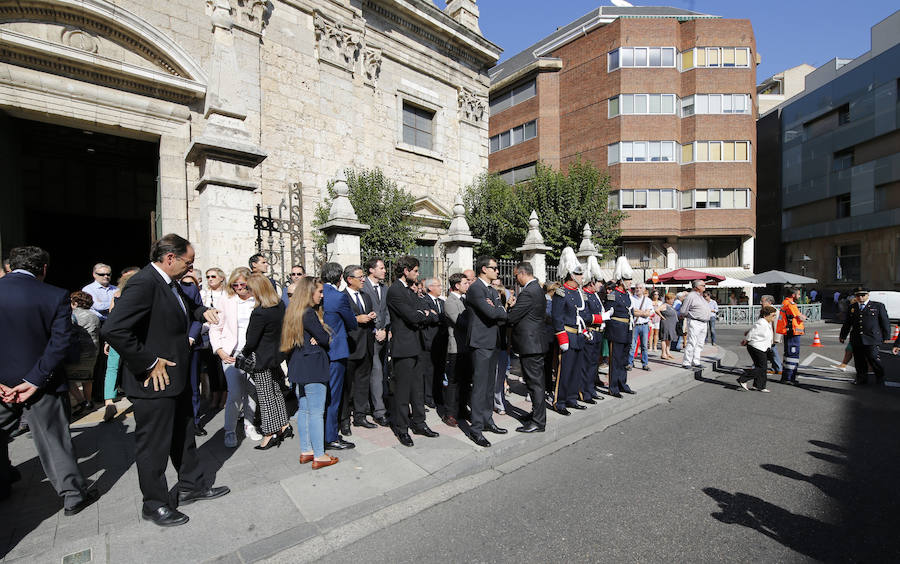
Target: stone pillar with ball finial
343, 228
533, 248
458, 242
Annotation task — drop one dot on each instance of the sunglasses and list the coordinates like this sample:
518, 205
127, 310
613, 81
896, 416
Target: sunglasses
493, 267
239, 285
103, 274
211, 276
296, 274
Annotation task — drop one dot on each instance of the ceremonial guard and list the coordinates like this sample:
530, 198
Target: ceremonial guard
571, 318
590, 357
868, 325
618, 330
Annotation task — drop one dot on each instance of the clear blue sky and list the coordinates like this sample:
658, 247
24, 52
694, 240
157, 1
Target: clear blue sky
788, 32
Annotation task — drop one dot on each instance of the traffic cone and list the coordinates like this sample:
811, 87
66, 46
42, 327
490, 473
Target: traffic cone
896, 332
817, 342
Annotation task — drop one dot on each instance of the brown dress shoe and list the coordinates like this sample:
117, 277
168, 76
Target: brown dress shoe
304, 458
450, 421
316, 464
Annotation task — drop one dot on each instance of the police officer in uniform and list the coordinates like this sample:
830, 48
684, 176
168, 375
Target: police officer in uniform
592, 347
618, 330
868, 325
570, 315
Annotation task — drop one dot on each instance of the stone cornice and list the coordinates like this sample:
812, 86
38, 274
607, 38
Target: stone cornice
545, 64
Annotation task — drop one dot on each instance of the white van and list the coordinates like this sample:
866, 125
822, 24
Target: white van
891, 301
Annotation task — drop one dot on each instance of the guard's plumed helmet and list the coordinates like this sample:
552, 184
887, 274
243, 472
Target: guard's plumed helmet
568, 264
592, 270
623, 269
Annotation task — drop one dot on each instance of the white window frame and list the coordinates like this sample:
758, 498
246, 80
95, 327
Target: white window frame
721, 144
627, 199
646, 52
508, 135
429, 101
708, 196
624, 150
719, 58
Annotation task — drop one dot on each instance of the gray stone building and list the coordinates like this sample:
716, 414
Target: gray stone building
829, 172
122, 120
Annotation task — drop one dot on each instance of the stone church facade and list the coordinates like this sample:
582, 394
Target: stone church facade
246, 101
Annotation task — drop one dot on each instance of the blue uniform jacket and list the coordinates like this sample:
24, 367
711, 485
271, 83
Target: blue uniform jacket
619, 331
569, 309
339, 317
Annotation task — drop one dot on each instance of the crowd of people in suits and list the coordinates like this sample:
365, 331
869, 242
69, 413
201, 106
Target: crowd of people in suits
355, 352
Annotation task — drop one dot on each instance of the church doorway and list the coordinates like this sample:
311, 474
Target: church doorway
82, 195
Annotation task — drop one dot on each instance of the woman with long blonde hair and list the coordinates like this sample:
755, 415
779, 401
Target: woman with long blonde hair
264, 340
226, 338
305, 339
112, 362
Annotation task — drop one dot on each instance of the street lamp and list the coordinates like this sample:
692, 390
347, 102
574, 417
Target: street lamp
803, 262
645, 264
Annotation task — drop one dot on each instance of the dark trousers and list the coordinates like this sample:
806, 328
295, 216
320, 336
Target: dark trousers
427, 376
195, 384
356, 389
164, 429
791, 361
618, 377
48, 420
214, 372
464, 383
437, 360
336, 371
590, 359
569, 379
451, 392
865, 356
409, 395
758, 372
484, 370
533, 374
551, 366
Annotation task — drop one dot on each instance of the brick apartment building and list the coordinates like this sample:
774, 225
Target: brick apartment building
662, 98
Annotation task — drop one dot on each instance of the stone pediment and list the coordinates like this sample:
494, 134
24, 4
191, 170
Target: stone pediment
98, 42
429, 216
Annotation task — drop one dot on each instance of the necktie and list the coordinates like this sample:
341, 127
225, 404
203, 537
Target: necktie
174, 287
378, 292
437, 302
359, 304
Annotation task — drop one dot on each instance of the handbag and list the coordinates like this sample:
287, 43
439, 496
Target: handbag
246, 363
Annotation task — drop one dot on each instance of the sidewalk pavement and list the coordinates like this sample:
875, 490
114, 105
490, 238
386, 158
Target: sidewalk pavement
277, 506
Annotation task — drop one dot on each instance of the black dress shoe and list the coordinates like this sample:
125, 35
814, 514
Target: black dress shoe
199, 431
186, 498
339, 444
405, 439
629, 391
480, 440
616, 395
425, 432
589, 401
165, 517
90, 497
430, 404
365, 423
382, 421
560, 410
530, 427
496, 430
346, 430
577, 406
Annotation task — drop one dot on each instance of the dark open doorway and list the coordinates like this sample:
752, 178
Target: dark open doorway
84, 196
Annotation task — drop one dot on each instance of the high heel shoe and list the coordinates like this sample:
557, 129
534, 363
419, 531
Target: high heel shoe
287, 433
274, 441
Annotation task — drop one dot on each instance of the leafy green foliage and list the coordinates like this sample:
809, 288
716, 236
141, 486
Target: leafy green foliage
381, 204
498, 213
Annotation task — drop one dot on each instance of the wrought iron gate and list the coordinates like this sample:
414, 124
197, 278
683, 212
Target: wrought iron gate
282, 244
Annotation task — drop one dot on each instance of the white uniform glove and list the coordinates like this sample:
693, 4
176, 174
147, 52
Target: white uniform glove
564, 347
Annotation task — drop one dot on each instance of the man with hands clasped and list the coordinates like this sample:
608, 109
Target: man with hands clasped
149, 327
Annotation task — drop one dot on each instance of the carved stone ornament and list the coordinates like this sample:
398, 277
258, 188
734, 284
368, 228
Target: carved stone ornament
372, 64
220, 13
79, 39
253, 15
471, 106
338, 44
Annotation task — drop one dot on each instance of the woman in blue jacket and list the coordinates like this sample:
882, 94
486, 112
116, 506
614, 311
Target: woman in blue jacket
305, 339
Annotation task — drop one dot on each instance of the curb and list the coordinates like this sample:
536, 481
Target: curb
311, 541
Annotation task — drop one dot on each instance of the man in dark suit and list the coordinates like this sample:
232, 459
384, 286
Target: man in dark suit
486, 314
149, 328
337, 315
36, 329
373, 286
526, 315
457, 358
407, 318
362, 345
434, 344
868, 325
192, 291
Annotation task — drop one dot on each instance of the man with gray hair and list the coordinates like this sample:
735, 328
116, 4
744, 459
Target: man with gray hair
696, 311
774, 355
101, 290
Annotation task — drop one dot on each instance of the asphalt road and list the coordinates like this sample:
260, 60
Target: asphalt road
803, 473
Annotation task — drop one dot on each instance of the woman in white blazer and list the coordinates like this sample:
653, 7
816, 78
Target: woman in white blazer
758, 341
226, 338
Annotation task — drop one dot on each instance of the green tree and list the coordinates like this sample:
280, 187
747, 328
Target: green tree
565, 201
381, 204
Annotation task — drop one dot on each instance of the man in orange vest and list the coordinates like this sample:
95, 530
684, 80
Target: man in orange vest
790, 324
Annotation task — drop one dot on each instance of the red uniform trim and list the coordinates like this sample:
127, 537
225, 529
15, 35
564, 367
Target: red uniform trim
562, 338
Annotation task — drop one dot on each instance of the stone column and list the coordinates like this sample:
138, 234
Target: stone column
458, 242
534, 250
671, 253
747, 249
586, 248
343, 227
226, 152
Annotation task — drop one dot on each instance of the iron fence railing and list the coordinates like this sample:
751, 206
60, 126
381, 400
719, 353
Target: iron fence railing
748, 314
